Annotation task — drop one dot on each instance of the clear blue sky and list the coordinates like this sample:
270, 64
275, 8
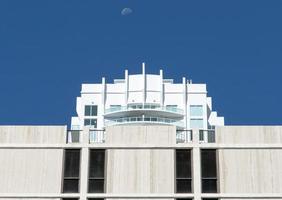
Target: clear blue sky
48, 48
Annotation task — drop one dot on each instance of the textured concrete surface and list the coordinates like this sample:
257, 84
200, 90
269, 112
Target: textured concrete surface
30, 170
250, 170
32, 134
249, 135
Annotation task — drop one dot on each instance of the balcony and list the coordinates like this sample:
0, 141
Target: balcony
207, 136
146, 109
144, 120
182, 136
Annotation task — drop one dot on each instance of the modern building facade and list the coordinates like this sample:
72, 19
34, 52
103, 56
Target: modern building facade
141, 137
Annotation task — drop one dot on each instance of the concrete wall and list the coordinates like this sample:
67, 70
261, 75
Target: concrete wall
32, 134
140, 170
250, 170
249, 135
29, 165
141, 135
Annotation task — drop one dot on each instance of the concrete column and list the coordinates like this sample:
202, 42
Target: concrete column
196, 166
84, 165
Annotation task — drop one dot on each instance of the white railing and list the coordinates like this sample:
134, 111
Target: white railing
207, 136
144, 107
184, 136
96, 136
144, 119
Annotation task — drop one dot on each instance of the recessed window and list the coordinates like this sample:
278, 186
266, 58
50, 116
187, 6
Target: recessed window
196, 110
96, 171
90, 122
90, 110
196, 123
209, 170
71, 171
183, 171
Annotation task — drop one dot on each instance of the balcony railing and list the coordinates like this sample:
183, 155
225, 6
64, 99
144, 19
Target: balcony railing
96, 136
144, 107
73, 136
144, 119
207, 136
184, 136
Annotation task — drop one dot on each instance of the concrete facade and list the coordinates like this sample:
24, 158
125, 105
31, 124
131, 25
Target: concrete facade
140, 162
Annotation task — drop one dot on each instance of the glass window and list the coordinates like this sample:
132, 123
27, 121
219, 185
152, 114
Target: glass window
96, 171
209, 170
73, 136
196, 123
183, 171
90, 122
171, 108
90, 110
196, 110
115, 108
71, 170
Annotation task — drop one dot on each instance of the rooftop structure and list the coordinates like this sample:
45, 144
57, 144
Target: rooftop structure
145, 99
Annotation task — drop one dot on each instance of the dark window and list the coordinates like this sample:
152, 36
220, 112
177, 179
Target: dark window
209, 170
96, 171
183, 171
90, 122
90, 111
71, 171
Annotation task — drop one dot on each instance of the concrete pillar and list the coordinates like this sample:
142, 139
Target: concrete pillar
84, 165
196, 166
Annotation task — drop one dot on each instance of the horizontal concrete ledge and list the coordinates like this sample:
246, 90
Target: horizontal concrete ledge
109, 146
157, 196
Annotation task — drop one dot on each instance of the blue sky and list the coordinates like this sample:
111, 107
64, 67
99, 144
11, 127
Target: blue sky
48, 48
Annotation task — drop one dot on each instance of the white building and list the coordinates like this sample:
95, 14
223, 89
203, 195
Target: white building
145, 98
142, 138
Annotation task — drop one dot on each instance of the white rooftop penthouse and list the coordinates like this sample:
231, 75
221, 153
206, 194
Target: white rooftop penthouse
145, 99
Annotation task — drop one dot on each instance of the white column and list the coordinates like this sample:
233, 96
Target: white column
125, 87
103, 92
144, 82
161, 88
196, 166
84, 165
184, 100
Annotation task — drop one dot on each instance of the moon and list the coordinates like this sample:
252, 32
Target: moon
126, 11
